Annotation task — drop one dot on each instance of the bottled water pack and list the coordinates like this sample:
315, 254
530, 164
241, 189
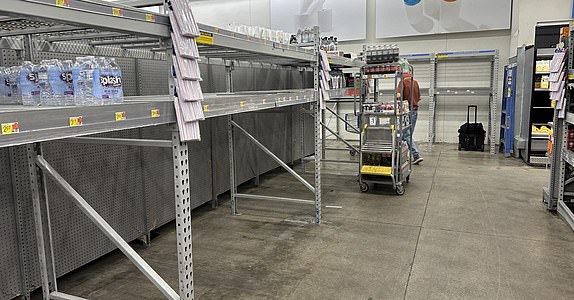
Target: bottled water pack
89, 81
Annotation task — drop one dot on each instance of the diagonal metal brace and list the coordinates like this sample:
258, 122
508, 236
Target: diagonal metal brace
274, 157
340, 137
357, 131
81, 203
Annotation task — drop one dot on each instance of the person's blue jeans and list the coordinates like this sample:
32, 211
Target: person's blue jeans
414, 149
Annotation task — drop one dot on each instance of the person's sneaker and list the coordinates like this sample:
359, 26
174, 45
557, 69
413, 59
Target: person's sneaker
418, 160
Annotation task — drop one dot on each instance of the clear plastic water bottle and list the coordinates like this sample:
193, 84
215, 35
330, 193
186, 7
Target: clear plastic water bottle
29, 87
102, 73
13, 95
3, 85
61, 83
75, 78
67, 82
118, 91
46, 95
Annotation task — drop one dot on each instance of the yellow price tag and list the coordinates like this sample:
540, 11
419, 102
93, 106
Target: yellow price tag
120, 116
442, 56
205, 38
284, 98
76, 121
63, 3
155, 113
290, 98
205, 107
241, 104
264, 101
150, 18
10, 128
297, 98
118, 12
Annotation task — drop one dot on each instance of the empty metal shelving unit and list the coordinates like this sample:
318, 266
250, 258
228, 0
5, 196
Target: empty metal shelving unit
483, 84
40, 141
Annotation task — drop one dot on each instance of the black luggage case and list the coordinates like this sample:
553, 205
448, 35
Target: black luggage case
471, 135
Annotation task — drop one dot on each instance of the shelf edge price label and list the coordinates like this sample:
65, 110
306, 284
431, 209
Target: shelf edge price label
441, 55
150, 18
63, 3
10, 128
121, 116
76, 121
242, 104
205, 38
205, 107
118, 12
264, 101
155, 113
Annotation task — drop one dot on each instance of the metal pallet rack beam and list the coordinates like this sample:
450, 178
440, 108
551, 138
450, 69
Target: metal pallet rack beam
89, 13
491, 91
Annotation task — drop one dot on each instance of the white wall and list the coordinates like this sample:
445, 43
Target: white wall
451, 110
528, 12
222, 12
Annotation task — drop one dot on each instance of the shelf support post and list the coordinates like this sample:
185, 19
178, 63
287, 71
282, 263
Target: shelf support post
319, 139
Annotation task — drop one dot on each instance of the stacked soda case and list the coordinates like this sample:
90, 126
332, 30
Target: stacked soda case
87, 81
381, 54
382, 69
387, 108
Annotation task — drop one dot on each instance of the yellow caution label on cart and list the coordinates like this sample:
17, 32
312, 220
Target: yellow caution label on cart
205, 38
205, 107
120, 116
155, 113
150, 18
376, 170
118, 12
10, 128
63, 3
76, 121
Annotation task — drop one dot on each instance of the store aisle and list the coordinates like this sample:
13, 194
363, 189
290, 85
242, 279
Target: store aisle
469, 227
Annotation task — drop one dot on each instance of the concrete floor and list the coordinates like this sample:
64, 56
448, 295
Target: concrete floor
469, 227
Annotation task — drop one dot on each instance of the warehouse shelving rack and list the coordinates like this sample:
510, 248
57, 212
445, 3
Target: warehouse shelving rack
559, 195
108, 23
24, 129
491, 91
